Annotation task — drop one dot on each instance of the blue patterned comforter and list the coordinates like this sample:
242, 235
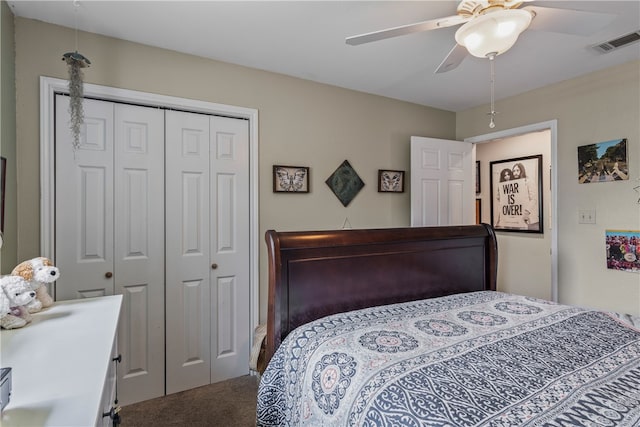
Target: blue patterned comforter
476, 359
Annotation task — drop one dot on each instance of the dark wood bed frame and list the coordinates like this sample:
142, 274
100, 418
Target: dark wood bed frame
314, 274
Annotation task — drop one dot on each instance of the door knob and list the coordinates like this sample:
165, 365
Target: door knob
214, 266
108, 274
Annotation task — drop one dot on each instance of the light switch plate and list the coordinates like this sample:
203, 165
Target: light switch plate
587, 216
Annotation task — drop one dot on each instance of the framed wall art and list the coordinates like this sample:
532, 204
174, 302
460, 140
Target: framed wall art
516, 194
290, 179
390, 181
623, 250
603, 162
477, 176
345, 183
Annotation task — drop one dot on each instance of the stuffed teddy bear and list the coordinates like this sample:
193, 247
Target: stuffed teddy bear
38, 272
15, 294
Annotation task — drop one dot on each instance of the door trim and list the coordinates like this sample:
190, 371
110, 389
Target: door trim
552, 126
49, 86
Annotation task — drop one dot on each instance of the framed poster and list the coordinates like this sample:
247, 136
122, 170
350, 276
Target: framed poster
516, 194
477, 176
290, 179
390, 181
603, 162
623, 250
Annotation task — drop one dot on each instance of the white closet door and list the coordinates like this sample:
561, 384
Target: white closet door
139, 249
110, 229
229, 248
84, 202
208, 267
188, 255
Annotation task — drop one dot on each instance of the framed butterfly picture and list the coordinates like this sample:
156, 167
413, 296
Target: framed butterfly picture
390, 181
290, 179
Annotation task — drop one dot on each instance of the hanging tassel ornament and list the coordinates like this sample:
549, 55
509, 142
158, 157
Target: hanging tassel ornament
76, 62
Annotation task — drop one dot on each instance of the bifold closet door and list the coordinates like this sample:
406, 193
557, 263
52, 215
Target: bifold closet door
208, 261
84, 202
110, 229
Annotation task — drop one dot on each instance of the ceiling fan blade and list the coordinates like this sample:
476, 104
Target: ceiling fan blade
432, 24
453, 59
568, 21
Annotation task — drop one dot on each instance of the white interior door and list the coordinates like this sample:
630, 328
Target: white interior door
139, 250
230, 289
208, 299
442, 182
84, 202
110, 229
188, 266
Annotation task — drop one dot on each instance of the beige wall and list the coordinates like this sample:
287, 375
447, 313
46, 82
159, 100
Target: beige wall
301, 123
8, 135
304, 123
598, 107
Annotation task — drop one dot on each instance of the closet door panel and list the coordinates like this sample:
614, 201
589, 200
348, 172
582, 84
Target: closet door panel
230, 248
84, 202
193, 203
188, 263
139, 249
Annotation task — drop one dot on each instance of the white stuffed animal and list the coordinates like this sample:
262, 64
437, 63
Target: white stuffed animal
5, 305
38, 272
15, 294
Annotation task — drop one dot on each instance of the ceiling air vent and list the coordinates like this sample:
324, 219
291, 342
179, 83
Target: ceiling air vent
618, 42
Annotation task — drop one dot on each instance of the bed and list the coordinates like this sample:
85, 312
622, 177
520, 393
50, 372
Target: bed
405, 327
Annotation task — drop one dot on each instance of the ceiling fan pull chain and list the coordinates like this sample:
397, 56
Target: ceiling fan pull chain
492, 113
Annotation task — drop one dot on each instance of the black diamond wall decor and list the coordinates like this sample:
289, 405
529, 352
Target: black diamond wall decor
345, 183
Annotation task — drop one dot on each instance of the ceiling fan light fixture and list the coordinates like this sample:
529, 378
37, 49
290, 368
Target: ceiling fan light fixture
494, 32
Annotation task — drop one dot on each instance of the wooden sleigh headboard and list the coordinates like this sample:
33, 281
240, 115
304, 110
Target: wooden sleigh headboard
313, 274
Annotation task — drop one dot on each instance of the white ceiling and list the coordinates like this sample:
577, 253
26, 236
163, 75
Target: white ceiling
306, 39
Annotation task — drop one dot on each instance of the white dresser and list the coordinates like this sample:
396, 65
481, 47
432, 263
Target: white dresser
63, 373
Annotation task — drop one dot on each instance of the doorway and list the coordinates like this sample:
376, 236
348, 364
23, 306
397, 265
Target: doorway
549, 130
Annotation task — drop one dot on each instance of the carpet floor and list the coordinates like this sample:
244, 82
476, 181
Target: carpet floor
228, 403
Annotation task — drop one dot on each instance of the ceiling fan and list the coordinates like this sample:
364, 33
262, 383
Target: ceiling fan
491, 27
